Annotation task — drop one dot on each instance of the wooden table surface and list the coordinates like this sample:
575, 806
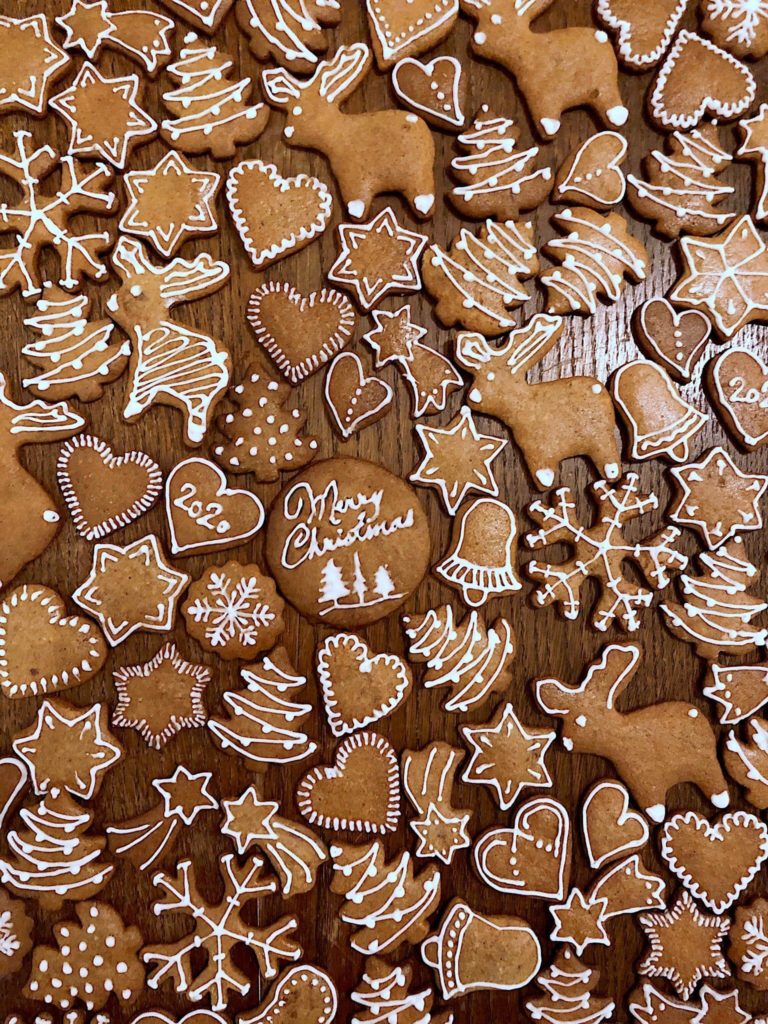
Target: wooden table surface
546, 645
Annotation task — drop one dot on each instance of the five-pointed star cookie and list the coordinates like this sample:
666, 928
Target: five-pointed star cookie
68, 748
170, 203
720, 1008
506, 756
30, 62
686, 945
144, 35
726, 276
580, 922
161, 697
457, 460
378, 258
131, 588
186, 795
717, 499
104, 118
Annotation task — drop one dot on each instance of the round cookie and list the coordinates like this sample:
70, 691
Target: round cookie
347, 542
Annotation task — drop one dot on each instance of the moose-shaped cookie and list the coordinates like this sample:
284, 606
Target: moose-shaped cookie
652, 748
551, 421
555, 71
372, 153
29, 519
170, 363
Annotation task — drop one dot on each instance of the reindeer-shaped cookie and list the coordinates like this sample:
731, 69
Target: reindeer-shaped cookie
29, 519
551, 421
372, 153
170, 363
555, 71
652, 748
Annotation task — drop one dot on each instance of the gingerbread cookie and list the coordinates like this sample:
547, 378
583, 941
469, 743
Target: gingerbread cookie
684, 743
742, 29
206, 515
42, 650
643, 30
352, 142
275, 216
435, 89
746, 761
378, 258
304, 994
698, 79
610, 828
550, 421
480, 562
210, 107
347, 542
281, 33
13, 784
359, 792
353, 400
234, 611
755, 148
15, 934
387, 991
142, 35
568, 988
131, 588
749, 943
740, 690
205, 15
675, 340
105, 492
358, 686
30, 64
398, 31
658, 420
428, 780
738, 382
626, 887
591, 175
171, 364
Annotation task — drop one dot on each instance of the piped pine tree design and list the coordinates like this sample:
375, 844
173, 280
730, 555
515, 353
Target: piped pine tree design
680, 193
716, 611
262, 723
264, 438
384, 994
53, 859
747, 761
497, 179
288, 33
595, 256
76, 358
570, 998
385, 902
472, 658
211, 111
600, 552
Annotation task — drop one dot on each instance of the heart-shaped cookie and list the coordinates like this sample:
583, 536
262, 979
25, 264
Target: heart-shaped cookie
644, 27
359, 687
204, 514
300, 332
41, 649
301, 995
611, 829
675, 340
275, 216
399, 29
739, 381
104, 491
435, 89
360, 792
533, 857
354, 400
715, 861
592, 175
696, 79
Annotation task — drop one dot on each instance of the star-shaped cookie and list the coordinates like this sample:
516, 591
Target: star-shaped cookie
755, 147
131, 588
161, 697
144, 35
579, 922
716, 498
686, 945
68, 748
249, 819
170, 203
506, 756
457, 460
30, 62
104, 118
440, 835
186, 795
726, 276
378, 258
720, 1008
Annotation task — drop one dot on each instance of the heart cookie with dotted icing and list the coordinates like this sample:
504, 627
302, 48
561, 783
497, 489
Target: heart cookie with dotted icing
435, 89
354, 401
675, 340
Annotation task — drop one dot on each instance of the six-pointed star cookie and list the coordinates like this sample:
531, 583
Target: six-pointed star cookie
457, 459
249, 819
441, 836
378, 258
717, 499
686, 945
170, 203
161, 697
131, 588
186, 795
104, 118
68, 748
506, 756
727, 276
579, 922
30, 62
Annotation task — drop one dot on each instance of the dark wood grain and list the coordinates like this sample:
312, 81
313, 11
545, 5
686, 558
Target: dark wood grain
546, 644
